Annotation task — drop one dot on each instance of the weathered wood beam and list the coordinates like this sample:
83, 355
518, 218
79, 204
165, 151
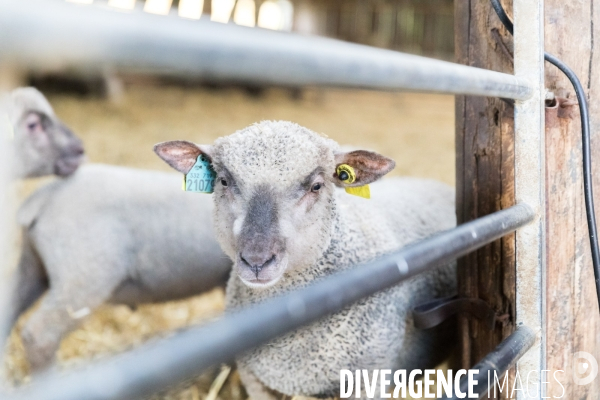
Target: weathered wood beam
484, 176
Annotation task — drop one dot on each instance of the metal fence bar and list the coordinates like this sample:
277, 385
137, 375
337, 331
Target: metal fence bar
496, 363
158, 365
530, 187
8, 228
57, 35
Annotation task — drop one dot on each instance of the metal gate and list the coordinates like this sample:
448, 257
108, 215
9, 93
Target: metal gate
142, 42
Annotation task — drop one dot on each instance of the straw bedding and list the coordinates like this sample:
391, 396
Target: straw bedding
415, 130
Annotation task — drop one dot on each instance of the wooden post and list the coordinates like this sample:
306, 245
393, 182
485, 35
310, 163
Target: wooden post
484, 172
572, 317
484, 175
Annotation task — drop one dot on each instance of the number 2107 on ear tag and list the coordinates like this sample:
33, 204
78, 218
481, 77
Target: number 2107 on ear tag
201, 178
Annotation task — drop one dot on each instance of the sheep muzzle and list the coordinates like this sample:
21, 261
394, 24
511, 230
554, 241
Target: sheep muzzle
261, 248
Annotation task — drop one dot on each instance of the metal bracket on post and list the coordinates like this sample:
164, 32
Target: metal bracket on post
530, 187
433, 313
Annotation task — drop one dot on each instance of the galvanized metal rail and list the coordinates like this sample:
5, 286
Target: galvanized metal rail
92, 38
7, 227
495, 364
89, 38
158, 365
530, 187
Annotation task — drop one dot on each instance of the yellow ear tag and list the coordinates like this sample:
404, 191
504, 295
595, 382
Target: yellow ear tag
360, 191
347, 175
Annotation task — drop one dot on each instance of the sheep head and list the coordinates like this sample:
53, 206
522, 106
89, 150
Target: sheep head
42, 144
274, 194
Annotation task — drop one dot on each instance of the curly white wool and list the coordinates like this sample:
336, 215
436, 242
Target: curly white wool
375, 333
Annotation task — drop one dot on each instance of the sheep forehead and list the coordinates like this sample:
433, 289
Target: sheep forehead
27, 99
276, 152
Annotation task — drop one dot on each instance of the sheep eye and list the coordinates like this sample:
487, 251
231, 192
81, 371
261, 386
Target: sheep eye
223, 182
316, 187
33, 122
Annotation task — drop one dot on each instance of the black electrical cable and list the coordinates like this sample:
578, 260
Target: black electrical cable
502, 15
588, 193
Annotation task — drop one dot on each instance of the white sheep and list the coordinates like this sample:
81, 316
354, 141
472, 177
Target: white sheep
279, 216
104, 234
39, 142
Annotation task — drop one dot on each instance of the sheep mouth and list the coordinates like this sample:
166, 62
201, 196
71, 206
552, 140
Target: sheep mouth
257, 283
68, 165
268, 276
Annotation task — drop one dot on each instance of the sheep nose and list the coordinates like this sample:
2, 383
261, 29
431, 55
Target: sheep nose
77, 149
256, 261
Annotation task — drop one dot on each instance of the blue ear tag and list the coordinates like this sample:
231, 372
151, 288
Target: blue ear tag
201, 178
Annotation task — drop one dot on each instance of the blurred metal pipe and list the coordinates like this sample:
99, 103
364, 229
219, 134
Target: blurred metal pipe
8, 227
56, 34
157, 365
496, 363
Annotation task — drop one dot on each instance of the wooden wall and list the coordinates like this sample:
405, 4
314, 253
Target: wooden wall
572, 30
415, 26
484, 145
484, 176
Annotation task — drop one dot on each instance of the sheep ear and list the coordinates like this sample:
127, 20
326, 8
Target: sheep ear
365, 166
180, 154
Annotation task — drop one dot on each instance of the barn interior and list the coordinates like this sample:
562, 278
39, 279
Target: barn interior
120, 115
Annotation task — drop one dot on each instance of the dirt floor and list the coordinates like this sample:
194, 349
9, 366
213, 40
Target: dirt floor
414, 129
